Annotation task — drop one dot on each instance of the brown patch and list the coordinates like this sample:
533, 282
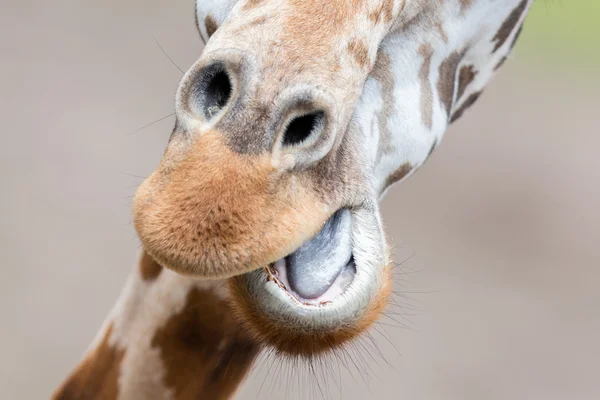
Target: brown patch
465, 5
258, 21
149, 269
218, 213
250, 4
468, 103
466, 76
440, 28
359, 51
509, 25
205, 353
382, 72
303, 342
384, 12
447, 79
243, 28
211, 25
426, 92
410, 24
500, 63
97, 376
433, 146
512, 45
517, 35
398, 175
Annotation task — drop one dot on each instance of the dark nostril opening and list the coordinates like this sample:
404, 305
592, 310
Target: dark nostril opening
213, 90
300, 128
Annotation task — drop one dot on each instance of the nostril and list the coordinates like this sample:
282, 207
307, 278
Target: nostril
218, 92
213, 90
300, 128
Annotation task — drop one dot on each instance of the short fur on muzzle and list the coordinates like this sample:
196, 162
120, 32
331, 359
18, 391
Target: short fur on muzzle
216, 213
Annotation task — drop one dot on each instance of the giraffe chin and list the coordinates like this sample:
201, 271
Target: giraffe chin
310, 316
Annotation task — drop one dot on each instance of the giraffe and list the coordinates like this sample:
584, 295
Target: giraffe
260, 227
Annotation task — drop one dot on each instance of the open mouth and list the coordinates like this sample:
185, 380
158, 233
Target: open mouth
322, 268
323, 294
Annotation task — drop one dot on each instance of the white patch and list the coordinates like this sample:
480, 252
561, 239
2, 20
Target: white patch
142, 308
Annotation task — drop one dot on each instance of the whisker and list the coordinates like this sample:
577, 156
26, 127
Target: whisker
166, 55
151, 123
134, 176
385, 335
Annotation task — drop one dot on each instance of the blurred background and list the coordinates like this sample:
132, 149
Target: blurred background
497, 235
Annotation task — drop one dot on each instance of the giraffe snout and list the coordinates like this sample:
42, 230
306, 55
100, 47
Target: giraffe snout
217, 214
258, 109
246, 178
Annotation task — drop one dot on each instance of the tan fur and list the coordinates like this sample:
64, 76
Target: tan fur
205, 353
325, 19
97, 375
250, 4
303, 343
314, 27
149, 269
426, 92
218, 213
359, 51
384, 12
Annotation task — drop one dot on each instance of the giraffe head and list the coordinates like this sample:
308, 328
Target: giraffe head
271, 177
261, 181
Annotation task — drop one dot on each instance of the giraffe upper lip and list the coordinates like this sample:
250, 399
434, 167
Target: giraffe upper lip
312, 269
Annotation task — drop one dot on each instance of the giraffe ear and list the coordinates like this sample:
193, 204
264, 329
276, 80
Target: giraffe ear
210, 16
205, 21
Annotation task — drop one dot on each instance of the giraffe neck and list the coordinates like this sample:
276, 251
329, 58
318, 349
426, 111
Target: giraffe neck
431, 67
168, 337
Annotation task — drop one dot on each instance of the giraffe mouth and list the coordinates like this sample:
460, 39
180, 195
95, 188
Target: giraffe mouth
322, 268
323, 294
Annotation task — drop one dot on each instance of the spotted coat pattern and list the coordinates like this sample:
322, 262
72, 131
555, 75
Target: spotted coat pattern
421, 67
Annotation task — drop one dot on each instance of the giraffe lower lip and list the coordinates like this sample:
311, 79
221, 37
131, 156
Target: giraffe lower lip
326, 259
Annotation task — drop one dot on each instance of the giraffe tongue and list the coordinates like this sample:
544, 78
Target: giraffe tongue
314, 267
